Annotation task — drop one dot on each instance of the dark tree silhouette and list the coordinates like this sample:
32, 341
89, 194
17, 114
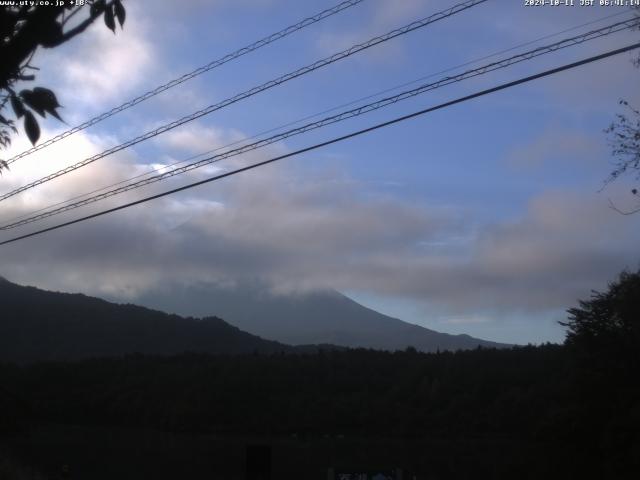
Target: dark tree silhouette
624, 138
25, 28
603, 342
609, 320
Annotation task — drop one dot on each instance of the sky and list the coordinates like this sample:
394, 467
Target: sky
487, 218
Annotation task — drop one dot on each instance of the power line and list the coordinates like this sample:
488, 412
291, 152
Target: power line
334, 140
198, 71
255, 90
340, 117
317, 114
576, 40
308, 117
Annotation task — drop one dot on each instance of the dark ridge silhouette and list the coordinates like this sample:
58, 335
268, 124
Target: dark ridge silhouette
38, 325
305, 318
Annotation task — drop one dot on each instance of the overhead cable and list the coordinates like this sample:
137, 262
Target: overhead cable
488, 91
315, 115
253, 91
188, 76
576, 40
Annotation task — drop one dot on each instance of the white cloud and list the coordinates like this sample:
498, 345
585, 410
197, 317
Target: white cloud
55, 157
196, 138
98, 69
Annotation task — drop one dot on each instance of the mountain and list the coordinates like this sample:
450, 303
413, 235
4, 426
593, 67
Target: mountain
38, 325
305, 318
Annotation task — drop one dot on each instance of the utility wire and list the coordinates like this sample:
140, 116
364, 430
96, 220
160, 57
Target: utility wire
503, 86
255, 90
198, 71
576, 40
309, 117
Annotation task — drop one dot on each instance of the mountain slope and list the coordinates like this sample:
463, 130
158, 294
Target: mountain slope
39, 325
310, 318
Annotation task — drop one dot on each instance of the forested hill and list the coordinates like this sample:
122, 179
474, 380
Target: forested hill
38, 325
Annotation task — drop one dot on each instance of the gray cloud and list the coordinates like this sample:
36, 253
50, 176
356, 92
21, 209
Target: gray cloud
296, 228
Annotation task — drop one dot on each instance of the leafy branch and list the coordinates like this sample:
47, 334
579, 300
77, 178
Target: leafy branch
23, 29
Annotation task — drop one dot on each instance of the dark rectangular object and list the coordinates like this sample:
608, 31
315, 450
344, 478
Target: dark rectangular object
258, 460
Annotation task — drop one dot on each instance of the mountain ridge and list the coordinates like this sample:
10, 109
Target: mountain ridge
41, 325
305, 318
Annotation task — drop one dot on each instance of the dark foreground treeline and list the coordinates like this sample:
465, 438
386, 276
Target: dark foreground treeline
570, 412
363, 391
576, 411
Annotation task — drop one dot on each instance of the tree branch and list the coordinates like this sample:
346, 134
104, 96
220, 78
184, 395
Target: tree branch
622, 212
71, 15
66, 36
